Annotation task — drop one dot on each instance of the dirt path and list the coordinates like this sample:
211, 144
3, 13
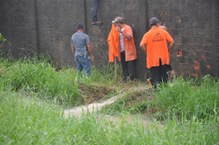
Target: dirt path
93, 107
78, 111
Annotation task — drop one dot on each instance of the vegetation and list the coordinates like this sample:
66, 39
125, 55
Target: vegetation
188, 99
33, 96
42, 78
3, 41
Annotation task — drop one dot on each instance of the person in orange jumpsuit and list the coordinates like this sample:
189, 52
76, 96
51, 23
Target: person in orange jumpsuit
123, 41
157, 43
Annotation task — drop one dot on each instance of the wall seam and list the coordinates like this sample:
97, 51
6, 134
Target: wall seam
36, 28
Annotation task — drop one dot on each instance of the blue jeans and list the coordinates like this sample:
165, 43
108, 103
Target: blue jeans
83, 63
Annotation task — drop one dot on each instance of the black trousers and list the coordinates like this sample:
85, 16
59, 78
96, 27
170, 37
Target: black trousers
128, 68
94, 10
159, 74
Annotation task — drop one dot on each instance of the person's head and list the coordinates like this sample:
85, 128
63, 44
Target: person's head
163, 27
154, 21
80, 26
118, 21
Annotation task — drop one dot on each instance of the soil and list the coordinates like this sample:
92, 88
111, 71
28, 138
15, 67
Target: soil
95, 106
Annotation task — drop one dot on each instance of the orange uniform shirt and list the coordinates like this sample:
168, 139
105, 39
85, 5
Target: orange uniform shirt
156, 41
114, 44
130, 48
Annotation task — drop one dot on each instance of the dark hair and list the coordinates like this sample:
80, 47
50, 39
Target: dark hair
80, 25
154, 24
121, 22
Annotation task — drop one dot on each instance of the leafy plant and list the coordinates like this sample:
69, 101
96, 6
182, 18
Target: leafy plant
2, 39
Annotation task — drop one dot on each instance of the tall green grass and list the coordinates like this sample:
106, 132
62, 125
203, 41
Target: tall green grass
41, 78
188, 100
27, 120
106, 74
189, 109
131, 102
38, 75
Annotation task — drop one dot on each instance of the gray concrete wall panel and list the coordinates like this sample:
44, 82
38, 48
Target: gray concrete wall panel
134, 12
56, 24
194, 27
17, 24
46, 26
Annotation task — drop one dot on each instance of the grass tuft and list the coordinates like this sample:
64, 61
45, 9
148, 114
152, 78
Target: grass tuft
183, 99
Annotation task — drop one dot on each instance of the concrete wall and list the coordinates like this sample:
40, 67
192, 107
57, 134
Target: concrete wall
135, 15
56, 24
45, 26
194, 25
17, 24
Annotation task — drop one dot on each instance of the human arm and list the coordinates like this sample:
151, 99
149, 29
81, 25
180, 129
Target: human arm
125, 31
170, 42
127, 35
143, 44
72, 49
73, 52
170, 46
143, 47
89, 48
90, 51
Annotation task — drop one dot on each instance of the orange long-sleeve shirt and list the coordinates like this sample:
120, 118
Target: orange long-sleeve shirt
130, 48
114, 44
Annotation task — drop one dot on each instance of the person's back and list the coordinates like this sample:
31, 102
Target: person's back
156, 43
81, 48
80, 41
157, 47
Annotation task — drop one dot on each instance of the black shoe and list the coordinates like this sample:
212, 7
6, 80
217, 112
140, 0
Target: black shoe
97, 23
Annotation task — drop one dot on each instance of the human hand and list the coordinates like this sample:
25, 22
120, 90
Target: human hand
92, 58
118, 28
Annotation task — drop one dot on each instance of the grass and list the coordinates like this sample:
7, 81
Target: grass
186, 99
4, 64
132, 102
186, 112
41, 77
26, 120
